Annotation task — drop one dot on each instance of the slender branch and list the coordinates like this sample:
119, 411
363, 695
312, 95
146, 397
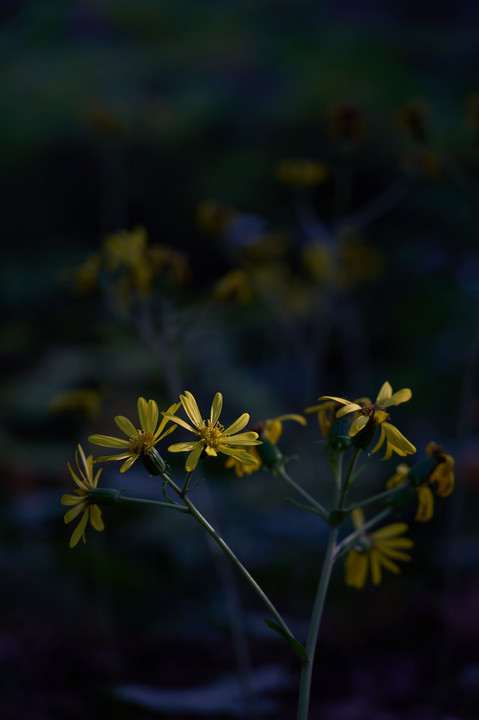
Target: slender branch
227, 550
374, 498
320, 509
143, 501
352, 537
347, 480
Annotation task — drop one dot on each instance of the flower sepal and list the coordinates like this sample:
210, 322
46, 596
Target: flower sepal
338, 436
153, 462
364, 437
421, 471
269, 453
104, 496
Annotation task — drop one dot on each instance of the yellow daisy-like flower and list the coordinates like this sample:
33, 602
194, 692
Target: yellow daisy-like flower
326, 414
374, 551
213, 437
375, 414
270, 430
85, 481
443, 475
140, 440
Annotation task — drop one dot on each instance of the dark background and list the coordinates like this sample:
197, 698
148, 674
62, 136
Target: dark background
134, 113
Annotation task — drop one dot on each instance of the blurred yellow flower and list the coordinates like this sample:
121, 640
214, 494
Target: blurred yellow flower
233, 287
326, 414
213, 437
127, 250
442, 477
85, 401
85, 481
375, 551
140, 440
302, 173
212, 217
375, 414
86, 276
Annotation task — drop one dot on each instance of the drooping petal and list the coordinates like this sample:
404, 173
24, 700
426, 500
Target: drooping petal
382, 438
74, 512
273, 430
193, 457
210, 451
397, 542
380, 416
425, 508
125, 426
399, 397
81, 483
120, 456
358, 424
238, 424
95, 479
241, 455
389, 564
356, 567
292, 416
393, 553
108, 441
348, 408
128, 463
79, 530
191, 408
96, 519
401, 445
341, 401
385, 393
216, 406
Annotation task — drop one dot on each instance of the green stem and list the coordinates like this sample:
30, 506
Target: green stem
307, 669
320, 509
347, 479
374, 498
227, 550
184, 489
142, 501
318, 606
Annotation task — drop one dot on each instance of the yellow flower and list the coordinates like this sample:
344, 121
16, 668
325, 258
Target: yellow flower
140, 440
269, 430
375, 550
213, 437
443, 475
80, 502
234, 287
375, 414
302, 173
129, 250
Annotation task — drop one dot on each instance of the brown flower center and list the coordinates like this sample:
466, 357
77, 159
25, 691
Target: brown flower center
212, 435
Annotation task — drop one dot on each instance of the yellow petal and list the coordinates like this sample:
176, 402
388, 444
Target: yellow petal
193, 457
79, 530
143, 412
292, 416
72, 499
341, 401
376, 574
425, 508
246, 438
125, 426
96, 519
384, 394
399, 397
349, 408
128, 463
390, 530
358, 424
392, 553
108, 441
382, 437
74, 512
216, 406
184, 446
241, 455
151, 416
169, 415
191, 408
273, 430
401, 445
389, 564
397, 542
238, 425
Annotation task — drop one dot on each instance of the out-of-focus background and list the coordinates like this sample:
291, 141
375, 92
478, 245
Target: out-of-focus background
271, 199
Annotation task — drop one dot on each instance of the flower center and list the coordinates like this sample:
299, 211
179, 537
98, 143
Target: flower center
370, 408
141, 442
212, 435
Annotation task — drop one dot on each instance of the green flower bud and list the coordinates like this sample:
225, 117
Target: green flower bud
365, 436
269, 453
103, 496
421, 471
153, 462
338, 436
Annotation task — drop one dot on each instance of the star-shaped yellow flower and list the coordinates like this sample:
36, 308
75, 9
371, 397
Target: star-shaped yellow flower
375, 413
140, 440
85, 481
213, 437
374, 551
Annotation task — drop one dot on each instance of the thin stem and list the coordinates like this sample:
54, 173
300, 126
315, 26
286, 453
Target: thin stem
307, 669
143, 501
374, 498
184, 489
320, 509
318, 606
227, 550
347, 479
352, 537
